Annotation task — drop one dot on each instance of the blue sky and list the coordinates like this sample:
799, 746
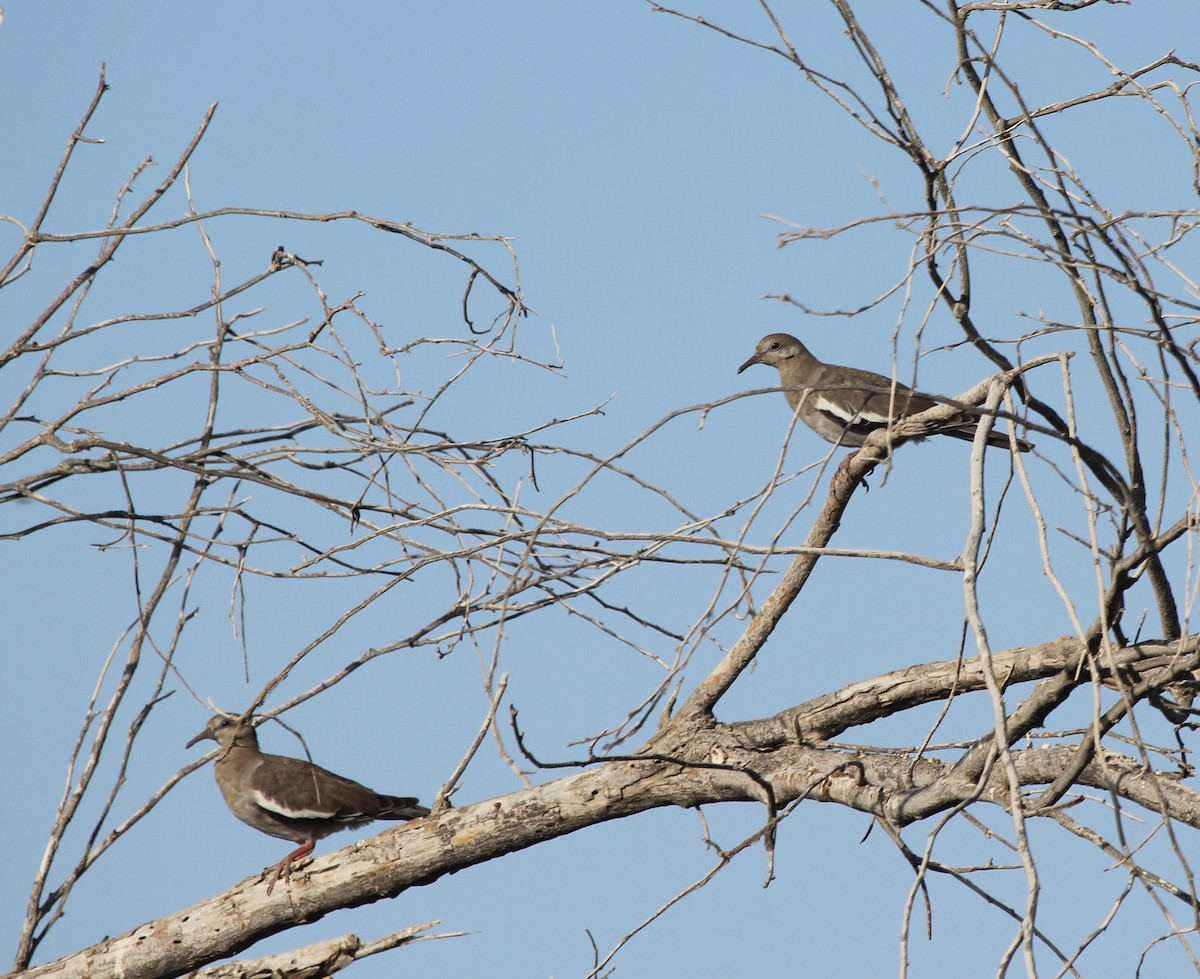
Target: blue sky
635, 161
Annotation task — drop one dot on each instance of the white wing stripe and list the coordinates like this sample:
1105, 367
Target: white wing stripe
273, 805
841, 410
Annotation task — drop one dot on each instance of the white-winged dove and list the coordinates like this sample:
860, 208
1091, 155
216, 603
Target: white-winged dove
844, 404
290, 798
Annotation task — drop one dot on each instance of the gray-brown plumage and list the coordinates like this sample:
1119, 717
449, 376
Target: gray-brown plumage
844, 405
290, 798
